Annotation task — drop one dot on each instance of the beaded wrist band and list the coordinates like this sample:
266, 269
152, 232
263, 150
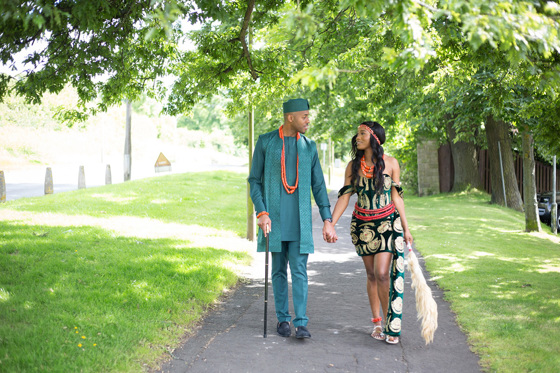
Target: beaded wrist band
261, 214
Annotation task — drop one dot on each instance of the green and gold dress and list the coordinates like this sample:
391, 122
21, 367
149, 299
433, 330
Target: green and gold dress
376, 227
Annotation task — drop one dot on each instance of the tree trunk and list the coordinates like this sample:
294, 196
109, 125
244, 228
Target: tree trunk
497, 131
532, 222
465, 161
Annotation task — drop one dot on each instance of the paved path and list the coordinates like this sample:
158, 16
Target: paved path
230, 339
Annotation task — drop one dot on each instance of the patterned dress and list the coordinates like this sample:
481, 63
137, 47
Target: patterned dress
376, 227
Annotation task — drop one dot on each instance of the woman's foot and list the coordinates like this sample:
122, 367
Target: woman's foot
392, 340
377, 330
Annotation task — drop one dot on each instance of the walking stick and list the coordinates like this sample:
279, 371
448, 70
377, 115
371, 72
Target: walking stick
266, 285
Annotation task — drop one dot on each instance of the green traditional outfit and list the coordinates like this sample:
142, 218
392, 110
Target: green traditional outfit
376, 227
290, 238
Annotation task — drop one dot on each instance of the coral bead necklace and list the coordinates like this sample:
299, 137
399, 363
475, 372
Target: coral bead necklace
289, 189
367, 170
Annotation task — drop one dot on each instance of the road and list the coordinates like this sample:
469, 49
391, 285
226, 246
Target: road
30, 182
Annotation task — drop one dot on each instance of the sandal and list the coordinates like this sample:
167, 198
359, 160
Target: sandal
392, 339
377, 330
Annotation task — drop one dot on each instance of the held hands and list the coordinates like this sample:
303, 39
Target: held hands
329, 233
265, 224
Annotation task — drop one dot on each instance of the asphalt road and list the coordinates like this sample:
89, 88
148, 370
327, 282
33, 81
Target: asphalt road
30, 182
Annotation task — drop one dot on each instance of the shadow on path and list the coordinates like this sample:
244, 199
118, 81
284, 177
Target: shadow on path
230, 339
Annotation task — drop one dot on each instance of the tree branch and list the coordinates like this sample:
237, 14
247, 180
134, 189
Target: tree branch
243, 34
334, 21
355, 71
427, 6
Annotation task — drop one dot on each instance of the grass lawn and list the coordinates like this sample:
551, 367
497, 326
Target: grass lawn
503, 283
111, 278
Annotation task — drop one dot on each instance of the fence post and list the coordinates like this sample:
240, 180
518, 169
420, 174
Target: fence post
554, 210
502, 172
81, 178
48, 181
108, 179
2, 187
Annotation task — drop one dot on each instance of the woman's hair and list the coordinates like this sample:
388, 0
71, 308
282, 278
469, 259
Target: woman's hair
376, 158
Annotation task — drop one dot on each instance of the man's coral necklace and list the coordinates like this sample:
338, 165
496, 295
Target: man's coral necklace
289, 189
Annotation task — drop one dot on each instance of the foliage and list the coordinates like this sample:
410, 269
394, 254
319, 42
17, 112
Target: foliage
99, 47
207, 116
405, 63
14, 110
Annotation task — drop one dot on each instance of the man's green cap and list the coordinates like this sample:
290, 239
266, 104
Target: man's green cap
296, 104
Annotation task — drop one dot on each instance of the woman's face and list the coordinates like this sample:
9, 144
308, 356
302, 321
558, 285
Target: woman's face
362, 139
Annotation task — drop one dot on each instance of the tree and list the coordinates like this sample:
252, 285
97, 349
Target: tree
465, 160
109, 51
133, 44
532, 222
356, 59
501, 164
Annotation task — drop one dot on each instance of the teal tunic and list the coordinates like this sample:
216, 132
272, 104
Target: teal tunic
268, 193
289, 203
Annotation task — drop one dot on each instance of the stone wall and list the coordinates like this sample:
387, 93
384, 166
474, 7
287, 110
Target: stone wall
428, 170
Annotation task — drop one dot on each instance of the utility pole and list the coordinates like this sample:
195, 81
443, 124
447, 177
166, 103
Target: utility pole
554, 210
127, 143
251, 220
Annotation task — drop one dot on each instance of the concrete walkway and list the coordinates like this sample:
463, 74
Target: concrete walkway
230, 339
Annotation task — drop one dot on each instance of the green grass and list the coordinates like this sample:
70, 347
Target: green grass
84, 298
503, 283
133, 290
210, 200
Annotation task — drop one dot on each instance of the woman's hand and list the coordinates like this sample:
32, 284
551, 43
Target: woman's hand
408, 237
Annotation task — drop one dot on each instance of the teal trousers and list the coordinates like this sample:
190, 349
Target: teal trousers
291, 256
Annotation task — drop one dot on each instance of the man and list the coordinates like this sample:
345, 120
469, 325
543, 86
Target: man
285, 169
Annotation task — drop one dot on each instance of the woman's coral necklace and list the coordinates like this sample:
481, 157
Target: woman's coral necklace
367, 170
289, 189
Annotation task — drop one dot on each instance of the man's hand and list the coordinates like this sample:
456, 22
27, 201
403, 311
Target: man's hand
329, 233
265, 224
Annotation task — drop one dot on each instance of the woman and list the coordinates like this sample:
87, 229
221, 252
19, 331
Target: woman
378, 226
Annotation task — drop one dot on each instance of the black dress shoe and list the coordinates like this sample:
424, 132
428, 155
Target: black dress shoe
283, 328
302, 332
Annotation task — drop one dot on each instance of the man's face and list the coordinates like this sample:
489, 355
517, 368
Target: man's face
301, 121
